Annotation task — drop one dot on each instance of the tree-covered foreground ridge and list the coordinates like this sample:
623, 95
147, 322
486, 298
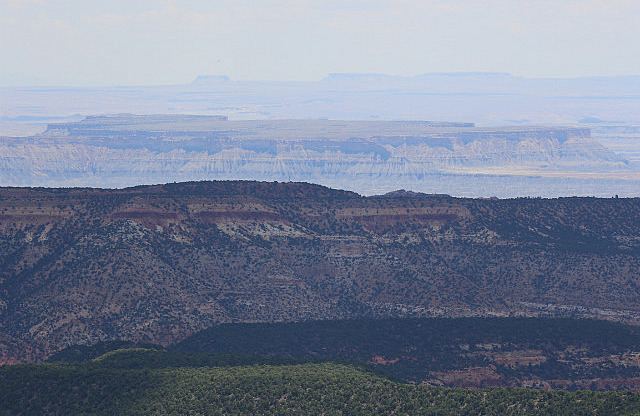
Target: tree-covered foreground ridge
154, 382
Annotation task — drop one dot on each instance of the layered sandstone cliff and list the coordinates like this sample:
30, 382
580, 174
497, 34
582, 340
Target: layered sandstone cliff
364, 156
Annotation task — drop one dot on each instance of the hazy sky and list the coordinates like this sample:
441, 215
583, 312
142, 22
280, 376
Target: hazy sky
98, 42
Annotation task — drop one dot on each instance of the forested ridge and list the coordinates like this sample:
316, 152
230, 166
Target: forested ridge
151, 382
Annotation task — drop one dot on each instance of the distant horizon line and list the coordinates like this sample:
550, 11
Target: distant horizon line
332, 76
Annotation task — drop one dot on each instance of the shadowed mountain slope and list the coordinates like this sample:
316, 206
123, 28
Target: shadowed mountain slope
462, 352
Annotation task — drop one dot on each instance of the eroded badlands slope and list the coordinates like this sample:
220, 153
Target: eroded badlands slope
368, 157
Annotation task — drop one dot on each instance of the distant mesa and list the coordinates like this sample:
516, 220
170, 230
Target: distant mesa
126, 120
467, 74
355, 77
372, 77
596, 120
211, 79
402, 193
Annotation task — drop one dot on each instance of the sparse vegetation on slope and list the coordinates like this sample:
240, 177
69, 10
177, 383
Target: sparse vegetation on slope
158, 263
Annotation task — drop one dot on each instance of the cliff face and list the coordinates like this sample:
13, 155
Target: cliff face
158, 263
128, 150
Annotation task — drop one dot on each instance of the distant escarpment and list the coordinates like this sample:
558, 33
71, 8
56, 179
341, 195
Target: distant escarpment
364, 156
157, 263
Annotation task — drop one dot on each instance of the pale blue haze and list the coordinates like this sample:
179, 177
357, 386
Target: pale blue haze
150, 42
